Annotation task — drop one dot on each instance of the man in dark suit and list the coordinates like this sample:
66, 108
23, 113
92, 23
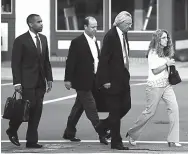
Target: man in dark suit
113, 76
31, 69
81, 67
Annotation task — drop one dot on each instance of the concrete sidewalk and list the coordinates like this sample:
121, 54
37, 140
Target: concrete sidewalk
138, 68
88, 147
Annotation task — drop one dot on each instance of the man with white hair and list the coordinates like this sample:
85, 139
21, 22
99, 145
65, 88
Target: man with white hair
113, 76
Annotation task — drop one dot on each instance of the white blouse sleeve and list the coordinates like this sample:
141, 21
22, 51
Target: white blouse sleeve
154, 61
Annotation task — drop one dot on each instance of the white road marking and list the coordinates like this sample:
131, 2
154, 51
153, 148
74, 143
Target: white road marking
92, 141
6, 84
138, 84
73, 96
59, 99
138, 80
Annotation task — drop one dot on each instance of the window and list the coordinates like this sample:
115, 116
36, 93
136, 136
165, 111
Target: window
71, 13
144, 12
181, 15
6, 6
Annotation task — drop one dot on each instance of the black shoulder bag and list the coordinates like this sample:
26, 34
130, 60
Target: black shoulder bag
174, 77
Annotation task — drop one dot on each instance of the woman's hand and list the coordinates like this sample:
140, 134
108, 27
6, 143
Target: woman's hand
170, 62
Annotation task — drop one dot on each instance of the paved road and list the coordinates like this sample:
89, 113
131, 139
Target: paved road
56, 111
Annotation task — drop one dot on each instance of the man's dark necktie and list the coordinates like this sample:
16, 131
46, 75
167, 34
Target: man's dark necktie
38, 44
126, 54
98, 50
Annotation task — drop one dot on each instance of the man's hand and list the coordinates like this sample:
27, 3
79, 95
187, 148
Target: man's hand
68, 84
107, 85
49, 88
18, 88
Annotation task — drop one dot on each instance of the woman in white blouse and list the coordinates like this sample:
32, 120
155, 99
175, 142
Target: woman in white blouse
159, 59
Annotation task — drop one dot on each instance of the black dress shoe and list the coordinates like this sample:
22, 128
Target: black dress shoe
73, 139
103, 140
33, 145
13, 138
119, 147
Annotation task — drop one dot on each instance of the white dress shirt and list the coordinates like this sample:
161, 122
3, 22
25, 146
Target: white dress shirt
93, 48
33, 36
120, 33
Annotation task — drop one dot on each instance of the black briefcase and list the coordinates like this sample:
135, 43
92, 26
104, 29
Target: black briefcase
100, 100
16, 109
174, 77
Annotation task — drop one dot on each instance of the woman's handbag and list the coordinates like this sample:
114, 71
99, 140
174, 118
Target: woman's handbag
174, 77
16, 109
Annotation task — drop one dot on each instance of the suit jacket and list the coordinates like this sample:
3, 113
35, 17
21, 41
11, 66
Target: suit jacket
111, 67
27, 62
80, 65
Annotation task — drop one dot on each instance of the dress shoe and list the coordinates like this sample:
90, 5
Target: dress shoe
13, 138
131, 140
33, 145
173, 144
73, 139
103, 140
119, 147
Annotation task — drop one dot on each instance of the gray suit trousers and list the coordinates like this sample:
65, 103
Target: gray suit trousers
84, 102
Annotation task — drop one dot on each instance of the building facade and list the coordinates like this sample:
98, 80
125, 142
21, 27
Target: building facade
63, 21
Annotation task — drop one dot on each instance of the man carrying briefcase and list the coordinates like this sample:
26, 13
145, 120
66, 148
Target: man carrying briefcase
16, 109
31, 70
